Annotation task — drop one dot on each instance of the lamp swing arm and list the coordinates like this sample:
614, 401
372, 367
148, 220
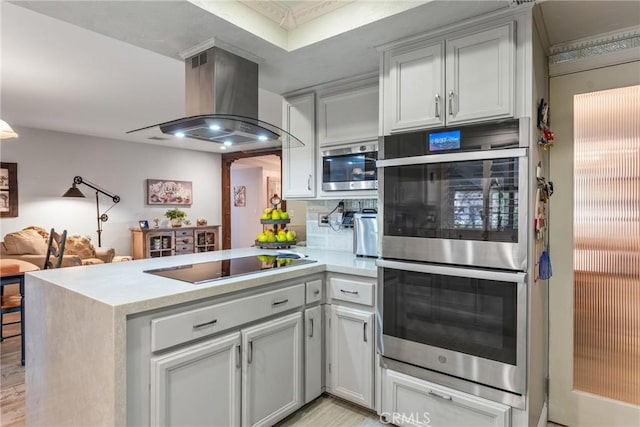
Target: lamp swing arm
79, 180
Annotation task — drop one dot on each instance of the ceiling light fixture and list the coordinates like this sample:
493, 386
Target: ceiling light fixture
5, 131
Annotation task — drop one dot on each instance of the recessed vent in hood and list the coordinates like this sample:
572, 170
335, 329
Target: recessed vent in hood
221, 100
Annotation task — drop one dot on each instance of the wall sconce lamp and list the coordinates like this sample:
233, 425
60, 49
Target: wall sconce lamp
74, 191
5, 131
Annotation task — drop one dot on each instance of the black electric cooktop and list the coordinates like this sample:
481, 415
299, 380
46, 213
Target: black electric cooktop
215, 270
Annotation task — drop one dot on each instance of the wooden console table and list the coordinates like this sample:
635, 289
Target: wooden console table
159, 242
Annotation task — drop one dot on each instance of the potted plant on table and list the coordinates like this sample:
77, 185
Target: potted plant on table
176, 216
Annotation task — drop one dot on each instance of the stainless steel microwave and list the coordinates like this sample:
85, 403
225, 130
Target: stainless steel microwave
351, 167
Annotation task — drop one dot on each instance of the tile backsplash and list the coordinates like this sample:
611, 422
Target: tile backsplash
334, 237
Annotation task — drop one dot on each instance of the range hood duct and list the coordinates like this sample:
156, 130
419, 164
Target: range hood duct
221, 102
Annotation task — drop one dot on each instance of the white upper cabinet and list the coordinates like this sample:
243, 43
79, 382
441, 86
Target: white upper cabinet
348, 113
416, 88
298, 163
457, 80
480, 75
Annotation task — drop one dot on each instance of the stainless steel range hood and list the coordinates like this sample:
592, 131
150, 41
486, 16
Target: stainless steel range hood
221, 99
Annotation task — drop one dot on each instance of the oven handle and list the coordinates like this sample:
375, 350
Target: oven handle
500, 276
453, 157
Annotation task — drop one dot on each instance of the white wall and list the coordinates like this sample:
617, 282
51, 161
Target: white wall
48, 161
245, 221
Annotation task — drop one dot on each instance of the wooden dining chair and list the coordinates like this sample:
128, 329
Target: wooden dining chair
55, 249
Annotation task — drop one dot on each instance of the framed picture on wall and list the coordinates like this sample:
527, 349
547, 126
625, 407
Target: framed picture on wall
169, 192
240, 196
8, 190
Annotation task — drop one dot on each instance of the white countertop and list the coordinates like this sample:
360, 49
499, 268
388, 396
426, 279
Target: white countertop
125, 286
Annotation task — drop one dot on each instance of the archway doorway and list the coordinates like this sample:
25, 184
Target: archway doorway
227, 161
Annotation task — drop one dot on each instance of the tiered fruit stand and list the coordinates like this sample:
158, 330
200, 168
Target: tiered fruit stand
276, 223
275, 245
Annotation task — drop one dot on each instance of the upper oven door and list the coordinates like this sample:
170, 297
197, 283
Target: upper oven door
466, 208
350, 168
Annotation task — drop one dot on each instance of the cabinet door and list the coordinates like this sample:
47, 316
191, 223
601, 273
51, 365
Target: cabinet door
408, 401
481, 75
298, 163
416, 89
352, 355
197, 385
160, 243
205, 240
313, 353
348, 116
272, 376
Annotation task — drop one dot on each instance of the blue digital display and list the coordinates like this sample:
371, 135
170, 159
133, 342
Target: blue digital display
449, 140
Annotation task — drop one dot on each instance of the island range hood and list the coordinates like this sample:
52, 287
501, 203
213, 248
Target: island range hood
221, 101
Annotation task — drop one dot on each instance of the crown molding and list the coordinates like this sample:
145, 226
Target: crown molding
603, 50
271, 9
600, 39
290, 17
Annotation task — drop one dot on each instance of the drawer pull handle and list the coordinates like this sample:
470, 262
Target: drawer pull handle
311, 332
284, 301
250, 355
185, 240
202, 325
316, 292
349, 292
365, 331
439, 396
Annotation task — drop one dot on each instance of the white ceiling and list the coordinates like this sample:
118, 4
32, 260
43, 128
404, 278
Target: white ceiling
105, 67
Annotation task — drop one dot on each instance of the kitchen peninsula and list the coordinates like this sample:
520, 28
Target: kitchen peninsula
97, 335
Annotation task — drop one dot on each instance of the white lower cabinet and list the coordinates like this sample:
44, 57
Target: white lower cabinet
253, 377
352, 351
197, 385
409, 401
272, 370
313, 338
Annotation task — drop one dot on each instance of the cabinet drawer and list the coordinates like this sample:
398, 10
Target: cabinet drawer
356, 291
183, 327
184, 240
314, 291
409, 401
184, 249
184, 233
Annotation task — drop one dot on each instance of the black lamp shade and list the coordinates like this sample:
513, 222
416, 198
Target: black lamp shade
73, 192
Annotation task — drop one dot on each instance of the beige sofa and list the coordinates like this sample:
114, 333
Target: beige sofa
30, 245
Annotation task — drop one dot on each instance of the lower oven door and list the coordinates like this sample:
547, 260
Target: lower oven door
468, 323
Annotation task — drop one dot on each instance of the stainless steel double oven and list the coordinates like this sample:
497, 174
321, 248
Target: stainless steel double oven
453, 272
